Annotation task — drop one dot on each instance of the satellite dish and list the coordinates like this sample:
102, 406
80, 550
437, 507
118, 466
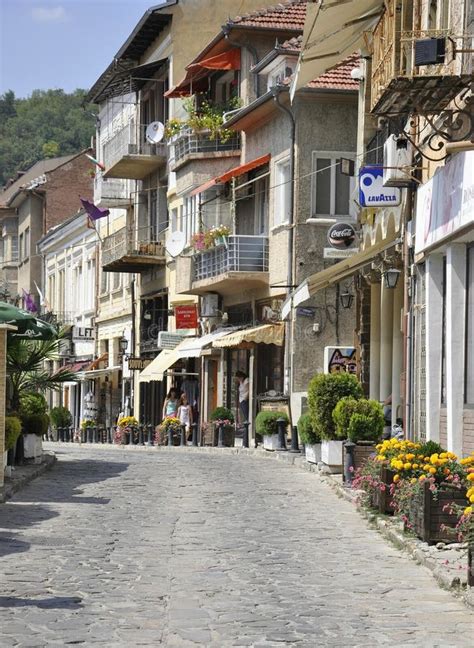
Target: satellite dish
155, 132
175, 243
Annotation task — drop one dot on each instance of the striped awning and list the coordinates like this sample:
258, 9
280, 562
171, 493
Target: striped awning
264, 334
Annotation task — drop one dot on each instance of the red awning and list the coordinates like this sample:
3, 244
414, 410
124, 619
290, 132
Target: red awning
232, 173
196, 80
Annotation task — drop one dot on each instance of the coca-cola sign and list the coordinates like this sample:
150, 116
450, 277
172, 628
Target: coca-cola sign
341, 235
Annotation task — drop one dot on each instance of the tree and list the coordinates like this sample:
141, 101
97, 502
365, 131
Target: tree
26, 368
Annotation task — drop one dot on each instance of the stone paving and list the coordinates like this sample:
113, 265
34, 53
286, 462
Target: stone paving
122, 548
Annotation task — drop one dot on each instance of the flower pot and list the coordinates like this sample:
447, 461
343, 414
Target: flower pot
331, 455
360, 453
270, 442
381, 499
228, 436
312, 452
32, 446
429, 514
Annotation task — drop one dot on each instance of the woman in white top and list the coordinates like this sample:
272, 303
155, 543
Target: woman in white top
185, 413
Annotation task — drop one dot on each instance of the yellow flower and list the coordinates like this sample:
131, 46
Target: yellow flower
426, 467
415, 466
407, 466
396, 478
413, 480
470, 491
432, 470
471, 499
410, 456
443, 455
468, 510
422, 478
470, 477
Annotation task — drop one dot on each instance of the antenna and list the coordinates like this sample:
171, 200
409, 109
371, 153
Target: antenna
155, 132
175, 243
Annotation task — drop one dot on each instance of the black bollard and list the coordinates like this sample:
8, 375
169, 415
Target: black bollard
245, 434
170, 436
140, 435
194, 441
150, 434
89, 435
183, 435
220, 439
294, 439
281, 443
349, 462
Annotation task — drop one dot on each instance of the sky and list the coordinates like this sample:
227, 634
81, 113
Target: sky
62, 43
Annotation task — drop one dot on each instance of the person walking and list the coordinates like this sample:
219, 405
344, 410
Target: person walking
171, 404
244, 390
185, 413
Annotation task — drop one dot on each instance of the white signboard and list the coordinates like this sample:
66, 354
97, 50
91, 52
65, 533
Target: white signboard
372, 192
445, 204
331, 253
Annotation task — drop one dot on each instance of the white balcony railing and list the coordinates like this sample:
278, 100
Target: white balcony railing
111, 192
189, 142
130, 140
129, 248
241, 254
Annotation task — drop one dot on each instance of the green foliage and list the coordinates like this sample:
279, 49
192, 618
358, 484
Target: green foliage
370, 410
324, 392
222, 414
361, 428
32, 403
209, 117
87, 423
60, 417
266, 422
35, 424
12, 431
431, 447
306, 432
49, 123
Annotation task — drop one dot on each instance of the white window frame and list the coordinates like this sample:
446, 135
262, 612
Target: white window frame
282, 187
333, 156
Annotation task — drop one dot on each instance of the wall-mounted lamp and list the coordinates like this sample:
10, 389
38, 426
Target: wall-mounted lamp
147, 315
390, 277
346, 299
123, 344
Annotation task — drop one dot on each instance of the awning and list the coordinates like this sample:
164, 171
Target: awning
75, 366
264, 334
333, 30
192, 347
196, 77
97, 373
334, 274
157, 367
95, 363
229, 60
233, 173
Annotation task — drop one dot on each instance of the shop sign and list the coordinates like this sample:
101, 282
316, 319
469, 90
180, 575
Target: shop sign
445, 204
341, 236
138, 364
186, 317
372, 192
340, 360
305, 311
331, 253
82, 334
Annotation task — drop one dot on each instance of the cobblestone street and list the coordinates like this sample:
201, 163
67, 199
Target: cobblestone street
124, 548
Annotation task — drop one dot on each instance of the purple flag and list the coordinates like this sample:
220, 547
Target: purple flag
93, 212
29, 302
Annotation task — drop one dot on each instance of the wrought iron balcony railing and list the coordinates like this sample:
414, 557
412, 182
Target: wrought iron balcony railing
131, 251
188, 142
240, 254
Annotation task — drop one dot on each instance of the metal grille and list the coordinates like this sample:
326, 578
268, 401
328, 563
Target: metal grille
130, 140
128, 243
240, 254
190, 142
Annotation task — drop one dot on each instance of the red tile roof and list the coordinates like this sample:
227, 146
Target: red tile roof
292, 46
289, 15
339, 78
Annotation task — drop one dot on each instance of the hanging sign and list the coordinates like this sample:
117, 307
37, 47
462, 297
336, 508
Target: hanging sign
372, 192
186, 317
341, 235
138, 364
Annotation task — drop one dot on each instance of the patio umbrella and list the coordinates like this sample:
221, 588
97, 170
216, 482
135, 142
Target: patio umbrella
28, 326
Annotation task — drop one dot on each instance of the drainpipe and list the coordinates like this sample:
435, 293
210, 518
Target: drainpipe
289, 325
132, 345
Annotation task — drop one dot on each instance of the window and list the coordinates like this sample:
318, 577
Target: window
2, 250
190, 223
174, 220
330, 189
283, 192
27, 243
261, 206
14, 250
469, 368
21, 248
104, 282
61, 291
116, 280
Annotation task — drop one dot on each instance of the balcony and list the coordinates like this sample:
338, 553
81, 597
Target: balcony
400, 86
131, 251
189, 145
128, 154
241, 264
111, 192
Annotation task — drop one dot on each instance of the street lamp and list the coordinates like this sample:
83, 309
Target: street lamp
123, 344
391, 277
346, 299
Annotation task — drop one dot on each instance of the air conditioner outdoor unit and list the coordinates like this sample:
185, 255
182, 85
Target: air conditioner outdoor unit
397, 161
430, 51
209, 305
64, 348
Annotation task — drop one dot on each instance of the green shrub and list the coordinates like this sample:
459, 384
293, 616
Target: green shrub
35, 424
431, 447
349, 407
60, 417
266, 422
324, 392
12, 431
87, 423
33, 403
306, 431
222, 414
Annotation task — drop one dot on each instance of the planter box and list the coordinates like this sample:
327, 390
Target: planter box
362, 451
331, 455
313, 453
427, 513
270, 442
381, 498
32, 446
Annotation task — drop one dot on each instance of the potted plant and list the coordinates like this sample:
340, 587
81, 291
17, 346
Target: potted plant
125, 430
225, 417
60, 418
266, 426
34, 423
170, 424
219, 234
310, 438
324, 392
12, 433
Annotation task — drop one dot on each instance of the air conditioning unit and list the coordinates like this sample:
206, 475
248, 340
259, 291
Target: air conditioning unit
64, 348
210, 305
397, 161
430, 51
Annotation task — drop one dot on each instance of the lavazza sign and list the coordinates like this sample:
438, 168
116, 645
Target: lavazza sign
372, 192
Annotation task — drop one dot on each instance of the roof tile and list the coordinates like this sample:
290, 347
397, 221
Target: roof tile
286, 15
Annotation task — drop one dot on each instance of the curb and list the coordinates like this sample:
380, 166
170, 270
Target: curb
30, 472
390, 529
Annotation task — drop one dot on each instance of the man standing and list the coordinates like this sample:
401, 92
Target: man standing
243, 381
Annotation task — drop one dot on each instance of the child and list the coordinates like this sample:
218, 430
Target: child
185, 413
170, 407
